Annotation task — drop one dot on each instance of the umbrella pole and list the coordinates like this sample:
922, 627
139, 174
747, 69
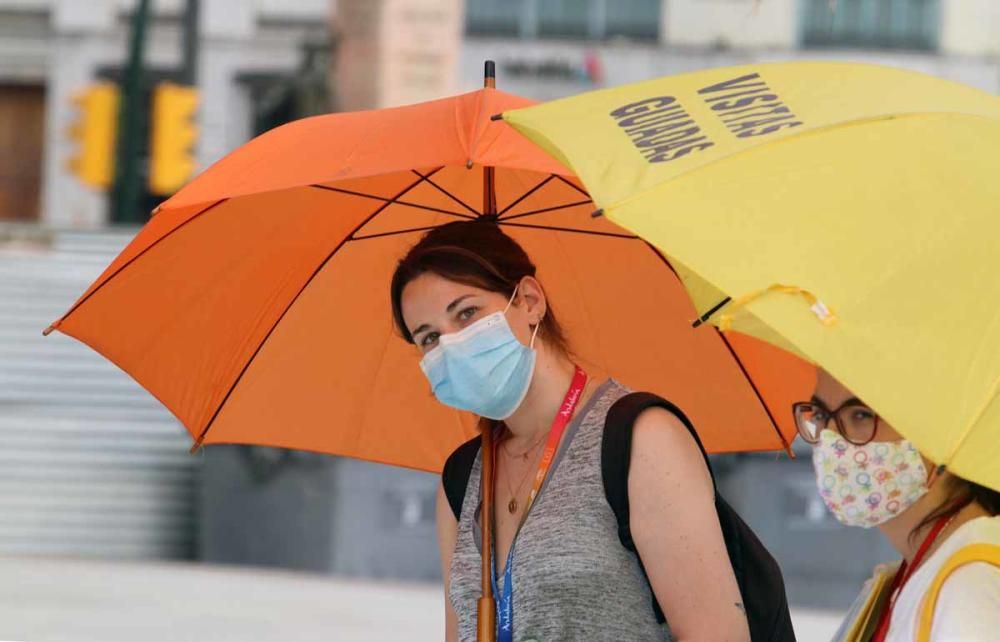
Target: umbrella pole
489, 184
487, 614
487, 609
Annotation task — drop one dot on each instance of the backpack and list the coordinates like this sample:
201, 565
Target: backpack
757, 573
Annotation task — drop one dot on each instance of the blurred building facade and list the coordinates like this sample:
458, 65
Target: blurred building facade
53, 49
92, 465
397, 51
550, 48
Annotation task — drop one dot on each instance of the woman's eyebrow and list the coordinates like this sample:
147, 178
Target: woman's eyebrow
449, 309
454, 304
816, 401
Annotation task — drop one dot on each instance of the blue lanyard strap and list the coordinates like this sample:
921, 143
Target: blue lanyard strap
504, 600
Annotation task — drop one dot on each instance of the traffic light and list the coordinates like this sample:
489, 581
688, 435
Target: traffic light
171, 158
95, 132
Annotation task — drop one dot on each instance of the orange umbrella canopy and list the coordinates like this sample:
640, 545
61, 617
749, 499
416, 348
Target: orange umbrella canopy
255, 303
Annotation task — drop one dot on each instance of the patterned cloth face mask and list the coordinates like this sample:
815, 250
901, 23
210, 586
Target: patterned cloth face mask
867, 485
482, 368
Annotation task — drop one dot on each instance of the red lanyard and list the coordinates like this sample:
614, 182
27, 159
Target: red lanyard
903, 575
559, 424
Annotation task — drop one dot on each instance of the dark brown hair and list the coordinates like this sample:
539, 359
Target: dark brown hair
475, 253
961, 493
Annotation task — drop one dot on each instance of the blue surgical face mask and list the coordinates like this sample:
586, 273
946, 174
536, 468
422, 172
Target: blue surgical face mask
483, 368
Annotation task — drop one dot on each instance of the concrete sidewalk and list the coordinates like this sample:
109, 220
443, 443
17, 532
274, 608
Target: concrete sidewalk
55, 600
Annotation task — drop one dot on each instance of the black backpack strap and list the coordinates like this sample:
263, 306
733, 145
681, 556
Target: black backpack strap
757, 573
616, 452
455, 475
616, 456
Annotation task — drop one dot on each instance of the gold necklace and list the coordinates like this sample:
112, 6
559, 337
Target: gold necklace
513, 505
523, 455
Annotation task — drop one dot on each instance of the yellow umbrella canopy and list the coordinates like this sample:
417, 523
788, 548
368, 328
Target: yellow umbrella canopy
849, 213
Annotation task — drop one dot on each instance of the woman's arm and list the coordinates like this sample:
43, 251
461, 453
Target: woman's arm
447, 532
677, 534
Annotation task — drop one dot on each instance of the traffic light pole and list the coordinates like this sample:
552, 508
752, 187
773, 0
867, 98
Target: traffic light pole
173, 130
189, 69
127, 190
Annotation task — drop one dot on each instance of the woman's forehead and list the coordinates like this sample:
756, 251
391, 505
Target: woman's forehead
431, 290
426, 298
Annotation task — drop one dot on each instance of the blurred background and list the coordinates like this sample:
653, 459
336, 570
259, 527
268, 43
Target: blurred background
109, 529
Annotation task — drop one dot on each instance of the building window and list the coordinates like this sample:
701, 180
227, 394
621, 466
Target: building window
493, 17
565, 18
579, 19
883, 24
639, 19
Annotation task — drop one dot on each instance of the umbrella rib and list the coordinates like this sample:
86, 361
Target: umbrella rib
201, 438
474, 211
547, 209
715, 308
555, 228
391, 201
739, 362
128, 263
574, 186
394, 233
732, 351
531, 191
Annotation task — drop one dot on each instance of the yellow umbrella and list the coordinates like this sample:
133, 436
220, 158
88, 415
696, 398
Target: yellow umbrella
849, 213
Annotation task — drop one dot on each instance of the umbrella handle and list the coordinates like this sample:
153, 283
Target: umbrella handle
487, 614
487, 620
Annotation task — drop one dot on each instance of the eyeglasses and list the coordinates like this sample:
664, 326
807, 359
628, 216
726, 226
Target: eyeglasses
856, 422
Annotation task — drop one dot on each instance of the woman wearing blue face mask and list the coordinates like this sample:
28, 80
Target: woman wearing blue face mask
869, 476
466, 295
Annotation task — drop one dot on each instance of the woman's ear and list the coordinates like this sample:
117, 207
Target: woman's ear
935, 474
531, 298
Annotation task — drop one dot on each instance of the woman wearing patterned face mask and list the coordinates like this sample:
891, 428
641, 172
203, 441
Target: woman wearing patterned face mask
869, 476
466, 295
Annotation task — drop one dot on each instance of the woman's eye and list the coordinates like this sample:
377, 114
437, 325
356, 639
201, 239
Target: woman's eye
467, 313
429, 339
863, 414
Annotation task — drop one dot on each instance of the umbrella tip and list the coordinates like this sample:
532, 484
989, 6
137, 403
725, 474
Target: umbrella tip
47, 331
490, 74
469, 164
496, 117
599, 212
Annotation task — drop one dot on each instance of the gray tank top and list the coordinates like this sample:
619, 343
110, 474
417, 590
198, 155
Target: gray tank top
573, 580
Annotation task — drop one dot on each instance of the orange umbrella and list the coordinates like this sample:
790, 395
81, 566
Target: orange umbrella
255, 303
